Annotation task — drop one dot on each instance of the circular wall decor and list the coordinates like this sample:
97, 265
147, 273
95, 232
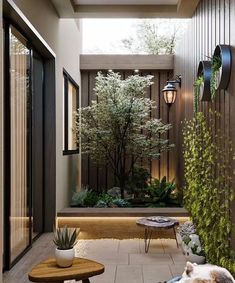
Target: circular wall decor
223, 54
204, 77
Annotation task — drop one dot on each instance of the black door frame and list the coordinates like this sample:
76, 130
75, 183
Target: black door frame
7, 148
13, 16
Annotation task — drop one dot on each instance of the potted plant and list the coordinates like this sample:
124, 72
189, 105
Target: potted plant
198, 89
65, 239
216, 72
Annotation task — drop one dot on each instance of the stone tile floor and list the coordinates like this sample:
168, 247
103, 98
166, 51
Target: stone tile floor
125, 260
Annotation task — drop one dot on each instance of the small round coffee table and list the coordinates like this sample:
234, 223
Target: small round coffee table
150, 224
82, 269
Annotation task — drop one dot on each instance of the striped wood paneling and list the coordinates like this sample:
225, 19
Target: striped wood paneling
100, 178
213, 23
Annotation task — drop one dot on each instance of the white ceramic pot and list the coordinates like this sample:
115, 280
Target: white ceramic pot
64, 258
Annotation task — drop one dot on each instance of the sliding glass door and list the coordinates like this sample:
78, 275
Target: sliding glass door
20, 144
24, 152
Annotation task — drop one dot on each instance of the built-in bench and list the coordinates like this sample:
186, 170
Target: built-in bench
119, 223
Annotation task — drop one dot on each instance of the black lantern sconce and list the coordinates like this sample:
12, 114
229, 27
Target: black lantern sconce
170, 91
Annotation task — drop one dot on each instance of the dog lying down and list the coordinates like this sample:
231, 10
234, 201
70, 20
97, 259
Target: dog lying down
205, 273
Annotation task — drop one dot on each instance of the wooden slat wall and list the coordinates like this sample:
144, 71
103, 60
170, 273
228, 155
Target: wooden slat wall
100, 178
213, 23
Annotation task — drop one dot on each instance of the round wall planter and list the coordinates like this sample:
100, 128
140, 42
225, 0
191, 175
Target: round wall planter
204, 70
224, 53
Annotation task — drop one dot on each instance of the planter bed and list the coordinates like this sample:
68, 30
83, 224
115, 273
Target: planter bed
118, 223
122, 212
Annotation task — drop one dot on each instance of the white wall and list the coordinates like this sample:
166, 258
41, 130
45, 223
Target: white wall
64, 37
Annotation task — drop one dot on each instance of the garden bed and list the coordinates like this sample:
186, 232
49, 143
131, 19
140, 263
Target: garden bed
122, 212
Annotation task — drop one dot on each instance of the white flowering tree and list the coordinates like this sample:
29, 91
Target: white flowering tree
118, 126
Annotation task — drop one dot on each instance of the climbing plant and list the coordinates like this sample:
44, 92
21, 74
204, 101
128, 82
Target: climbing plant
208, 186
196, 92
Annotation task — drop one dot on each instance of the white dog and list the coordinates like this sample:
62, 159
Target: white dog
205, 273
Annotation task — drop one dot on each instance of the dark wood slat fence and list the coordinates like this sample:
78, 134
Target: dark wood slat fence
213, 23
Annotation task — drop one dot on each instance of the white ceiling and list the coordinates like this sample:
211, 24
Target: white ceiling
125, 2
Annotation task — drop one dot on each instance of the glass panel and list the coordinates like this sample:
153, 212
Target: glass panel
19, 83
72, 108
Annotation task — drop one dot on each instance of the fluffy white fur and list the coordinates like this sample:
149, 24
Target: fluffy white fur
205, 273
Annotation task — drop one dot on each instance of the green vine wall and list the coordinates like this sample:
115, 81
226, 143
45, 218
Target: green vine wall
209, 186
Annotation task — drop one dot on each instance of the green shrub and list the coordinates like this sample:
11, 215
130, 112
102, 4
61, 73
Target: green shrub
106, 198
91, 199
208, 188
101, 204
120, 202
161, 192
79, 197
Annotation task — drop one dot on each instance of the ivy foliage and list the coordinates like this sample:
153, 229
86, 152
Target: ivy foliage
208, 186
196, 92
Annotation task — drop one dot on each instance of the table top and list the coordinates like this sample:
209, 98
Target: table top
147, 222
48, 271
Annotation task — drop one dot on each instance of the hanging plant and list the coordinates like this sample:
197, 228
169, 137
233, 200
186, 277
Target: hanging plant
196, 92
208, 191
215, 75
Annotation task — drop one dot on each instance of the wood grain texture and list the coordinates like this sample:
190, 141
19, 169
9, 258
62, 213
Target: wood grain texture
213, 23
48, 271
101, 178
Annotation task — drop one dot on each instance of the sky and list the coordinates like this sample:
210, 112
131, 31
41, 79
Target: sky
105, 35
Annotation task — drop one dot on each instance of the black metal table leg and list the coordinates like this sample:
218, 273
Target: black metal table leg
147, 239
86, 281
176, 237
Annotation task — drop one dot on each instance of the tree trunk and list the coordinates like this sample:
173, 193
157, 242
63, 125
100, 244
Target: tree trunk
122, 187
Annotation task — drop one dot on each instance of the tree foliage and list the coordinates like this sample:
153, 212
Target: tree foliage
117, 129
209, 186
149, 38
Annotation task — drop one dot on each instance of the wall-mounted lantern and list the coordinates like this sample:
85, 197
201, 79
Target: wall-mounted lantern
170, 91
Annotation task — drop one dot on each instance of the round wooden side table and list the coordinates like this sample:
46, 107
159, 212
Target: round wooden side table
150, 225
82, 269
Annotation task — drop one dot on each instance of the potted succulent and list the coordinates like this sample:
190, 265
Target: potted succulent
65, 239
193, 249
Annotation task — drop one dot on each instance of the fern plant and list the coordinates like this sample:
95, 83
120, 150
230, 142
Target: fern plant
215, 68
161, 191
64, 238
208, 188
196, 92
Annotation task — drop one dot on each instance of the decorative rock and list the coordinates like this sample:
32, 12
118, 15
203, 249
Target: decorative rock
114, 192
187, 229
